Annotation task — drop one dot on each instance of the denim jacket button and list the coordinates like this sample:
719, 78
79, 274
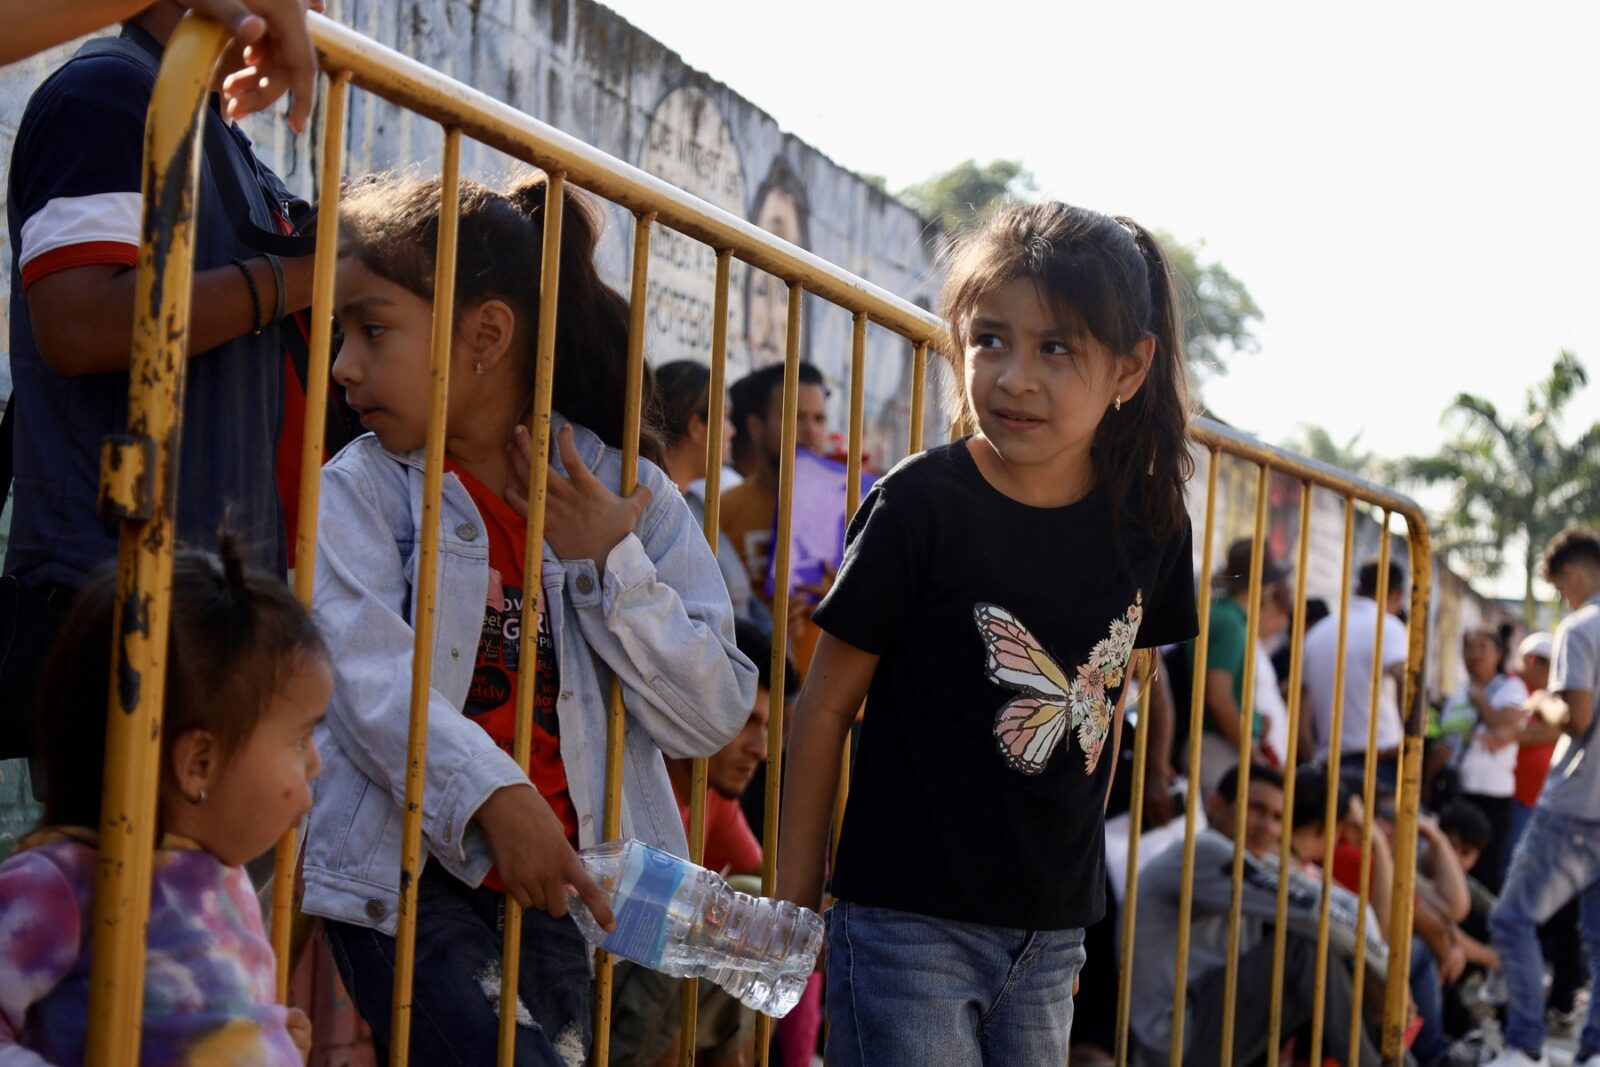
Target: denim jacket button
376, 909
455, 653
585, 584
467, 532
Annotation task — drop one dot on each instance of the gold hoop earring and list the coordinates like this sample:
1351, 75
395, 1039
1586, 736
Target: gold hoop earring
1117, 403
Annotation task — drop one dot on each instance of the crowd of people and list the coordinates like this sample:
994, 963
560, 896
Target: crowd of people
1500, 943
973, 638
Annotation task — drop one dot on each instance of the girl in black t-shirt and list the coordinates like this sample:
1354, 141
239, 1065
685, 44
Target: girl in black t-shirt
989, 606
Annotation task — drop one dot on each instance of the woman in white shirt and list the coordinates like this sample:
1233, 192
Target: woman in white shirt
1480, 723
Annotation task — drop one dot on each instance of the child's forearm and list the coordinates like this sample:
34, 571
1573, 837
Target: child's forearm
833, 691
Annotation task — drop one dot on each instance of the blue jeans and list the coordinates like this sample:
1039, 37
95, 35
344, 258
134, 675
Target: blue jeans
1431, 1046
906, 990
455, 1015
1557, 859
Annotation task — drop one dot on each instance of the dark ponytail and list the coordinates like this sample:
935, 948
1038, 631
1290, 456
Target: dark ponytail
1110, 277
391, 224
235, 635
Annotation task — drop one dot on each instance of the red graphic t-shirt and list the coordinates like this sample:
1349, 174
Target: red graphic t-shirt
492, 697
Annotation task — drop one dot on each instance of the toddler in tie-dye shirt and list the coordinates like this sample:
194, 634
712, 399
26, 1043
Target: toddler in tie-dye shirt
247, 680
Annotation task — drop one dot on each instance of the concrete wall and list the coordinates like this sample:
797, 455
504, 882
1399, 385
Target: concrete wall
580, 67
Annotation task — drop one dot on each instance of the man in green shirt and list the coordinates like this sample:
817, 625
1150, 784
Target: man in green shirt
1227, 652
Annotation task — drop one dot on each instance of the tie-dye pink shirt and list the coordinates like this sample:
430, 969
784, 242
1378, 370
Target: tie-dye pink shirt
208, 994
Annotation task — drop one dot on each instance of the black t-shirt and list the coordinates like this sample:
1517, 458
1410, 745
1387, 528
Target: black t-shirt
1004, 633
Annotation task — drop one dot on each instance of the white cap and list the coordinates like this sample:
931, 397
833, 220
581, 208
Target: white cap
1539, 644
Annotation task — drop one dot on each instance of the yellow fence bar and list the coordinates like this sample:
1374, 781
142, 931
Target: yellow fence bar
852, 501
427, 593
1280, 932
1330, 808
1247, 717
1130, 895
1408, 804
919, 386
144, 570
780, 623
533, 573
643, 226
717, 401
1192, 793
311, 448
1369, 789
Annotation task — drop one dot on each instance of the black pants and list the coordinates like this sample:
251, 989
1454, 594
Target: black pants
1491, 866
1253, 1002
455, 995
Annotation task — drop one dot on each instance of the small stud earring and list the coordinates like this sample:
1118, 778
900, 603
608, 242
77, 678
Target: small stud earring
1117, 403
201, 799
478, 369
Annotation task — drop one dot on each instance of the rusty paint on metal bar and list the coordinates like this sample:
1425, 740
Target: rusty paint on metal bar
1414, 703
427, 592
1280, 929
532, 573
1130, 895
137, 660
780, 623
633, 393
1330, 808
311, 449
1241, 800
1192, 792
1369, 789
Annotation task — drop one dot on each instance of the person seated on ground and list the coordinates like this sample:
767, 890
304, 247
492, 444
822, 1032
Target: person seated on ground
645, 1009
1155, 949
1467, 830
1439, 951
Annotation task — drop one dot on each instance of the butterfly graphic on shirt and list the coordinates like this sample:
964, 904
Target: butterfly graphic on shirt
1029, 727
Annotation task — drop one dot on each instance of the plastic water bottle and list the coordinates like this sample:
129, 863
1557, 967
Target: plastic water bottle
683, 920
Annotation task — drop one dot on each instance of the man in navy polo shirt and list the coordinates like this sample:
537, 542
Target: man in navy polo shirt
73, 209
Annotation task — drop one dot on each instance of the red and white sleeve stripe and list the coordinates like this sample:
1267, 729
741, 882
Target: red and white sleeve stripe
80, 231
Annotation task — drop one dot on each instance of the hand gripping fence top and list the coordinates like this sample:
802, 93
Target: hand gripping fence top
138, 471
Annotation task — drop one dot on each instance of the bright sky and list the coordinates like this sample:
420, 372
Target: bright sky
1410, 192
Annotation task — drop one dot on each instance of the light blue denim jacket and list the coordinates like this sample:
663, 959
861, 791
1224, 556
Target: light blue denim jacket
658, 618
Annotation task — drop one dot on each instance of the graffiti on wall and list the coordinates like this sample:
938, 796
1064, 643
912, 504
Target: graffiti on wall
688, 144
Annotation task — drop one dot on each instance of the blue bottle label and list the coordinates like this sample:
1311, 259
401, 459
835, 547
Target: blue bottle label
643, 897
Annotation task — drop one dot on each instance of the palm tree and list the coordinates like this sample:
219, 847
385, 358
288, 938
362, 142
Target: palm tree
1513, 478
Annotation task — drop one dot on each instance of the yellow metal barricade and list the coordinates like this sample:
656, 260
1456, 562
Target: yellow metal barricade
163, 287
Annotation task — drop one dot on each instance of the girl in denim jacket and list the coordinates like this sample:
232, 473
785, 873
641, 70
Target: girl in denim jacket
629, 589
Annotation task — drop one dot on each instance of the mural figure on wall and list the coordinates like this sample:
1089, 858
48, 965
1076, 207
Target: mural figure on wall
780, 208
